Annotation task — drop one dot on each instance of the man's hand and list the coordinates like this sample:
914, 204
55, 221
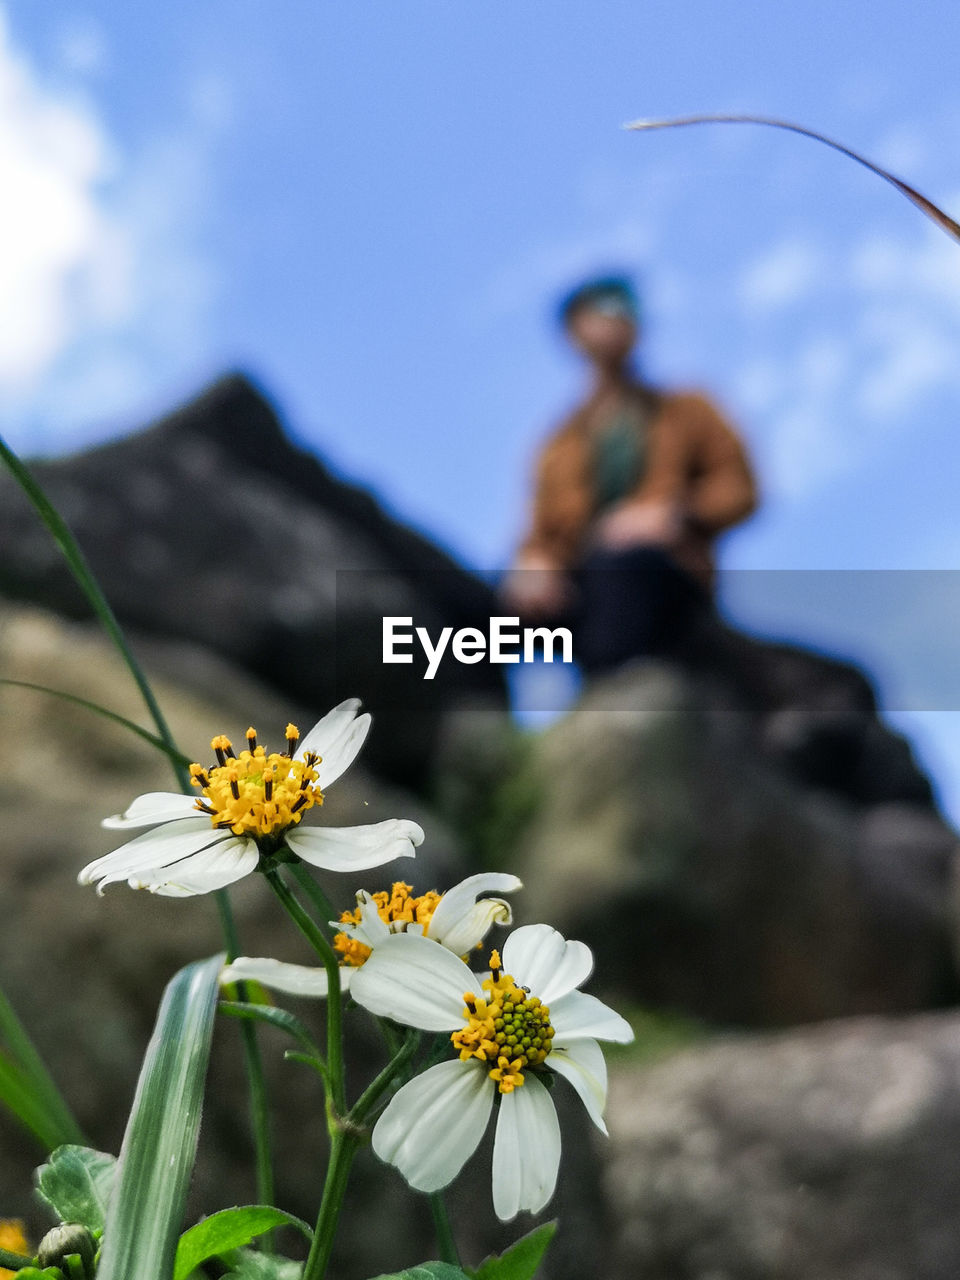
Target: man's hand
536, 585
631, 524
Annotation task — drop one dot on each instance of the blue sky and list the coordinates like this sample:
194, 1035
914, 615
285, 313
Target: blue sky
372, 207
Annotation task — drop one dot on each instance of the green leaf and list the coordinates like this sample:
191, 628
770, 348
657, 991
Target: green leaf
521, 1260
261, 1266
229, 1229
159, 1146
26, 1087
76, 1183
427, 1271
282, 1019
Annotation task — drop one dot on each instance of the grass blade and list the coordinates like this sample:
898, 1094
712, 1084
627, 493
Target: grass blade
28, 1089
84, 576
156, 1160
176, 756
86, 580
932, 211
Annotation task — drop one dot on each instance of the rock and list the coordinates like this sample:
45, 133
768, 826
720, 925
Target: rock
710, 876
211, 526
827, 1153
816, 716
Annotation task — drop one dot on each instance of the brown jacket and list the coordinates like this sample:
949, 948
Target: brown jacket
693, 458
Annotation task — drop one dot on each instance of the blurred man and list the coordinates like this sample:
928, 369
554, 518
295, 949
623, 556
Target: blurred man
630, 492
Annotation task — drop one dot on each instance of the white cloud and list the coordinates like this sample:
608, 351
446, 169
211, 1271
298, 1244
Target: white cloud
903, 150
82, 46
618, 225
551, 267
910, 357
856, 349
825, 335
106, 284
782, 275
52, 157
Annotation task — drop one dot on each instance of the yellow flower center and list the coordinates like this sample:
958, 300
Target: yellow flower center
12, 1238
508, 1027
254, 793
398, 908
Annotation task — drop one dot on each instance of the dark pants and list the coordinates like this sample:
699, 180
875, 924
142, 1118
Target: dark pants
631, 603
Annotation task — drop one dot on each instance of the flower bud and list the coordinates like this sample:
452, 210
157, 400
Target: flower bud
69, 1238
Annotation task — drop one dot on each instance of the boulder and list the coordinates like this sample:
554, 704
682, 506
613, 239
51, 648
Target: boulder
825, 1153
709, 873
815, 715
212, 526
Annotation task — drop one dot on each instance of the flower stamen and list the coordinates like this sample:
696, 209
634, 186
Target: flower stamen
508, 1027
255, 793
396, 909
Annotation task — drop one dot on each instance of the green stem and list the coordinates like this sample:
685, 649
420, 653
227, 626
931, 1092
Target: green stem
227, 924
334, 1000
379, 1085
344, 1141
14, 1261
314, 1062
260, 1122
91, 588
441, 1224
85, 579
314, 892
343, 1147
392, 1040
253, 1064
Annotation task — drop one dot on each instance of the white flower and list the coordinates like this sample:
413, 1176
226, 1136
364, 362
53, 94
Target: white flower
251, 806
525, 1019
455, 919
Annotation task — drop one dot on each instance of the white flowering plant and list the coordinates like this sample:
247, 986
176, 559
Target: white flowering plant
463, 1040
469, 1031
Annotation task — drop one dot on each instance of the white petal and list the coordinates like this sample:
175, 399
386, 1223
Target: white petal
153, 807
337, 739
355, 848
539, 958
372, 929
329, 728
434, 1124
582, 1063
210, 869
342, 754
577, 1016
292, 979
526, 1150
415, 981
155, 849
474, 926
460, 922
